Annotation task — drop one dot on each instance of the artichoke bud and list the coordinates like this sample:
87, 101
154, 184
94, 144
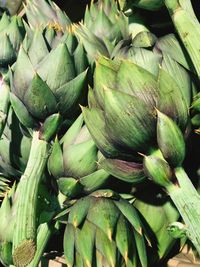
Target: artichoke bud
105, 223
131, 172
44, 13
12, 33
158, 170
50, 127
170, 140
42, 90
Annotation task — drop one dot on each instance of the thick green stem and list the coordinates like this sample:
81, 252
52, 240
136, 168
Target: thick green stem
24, 236
187, 201
44, 232
187, 27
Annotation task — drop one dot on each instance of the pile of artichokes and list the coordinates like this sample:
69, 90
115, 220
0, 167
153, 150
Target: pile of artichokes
99, 132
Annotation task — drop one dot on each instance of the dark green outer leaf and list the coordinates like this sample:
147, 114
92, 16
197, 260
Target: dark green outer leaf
39, 99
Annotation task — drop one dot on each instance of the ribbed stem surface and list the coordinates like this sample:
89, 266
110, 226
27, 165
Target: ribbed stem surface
187, 201
187, 27
24, 237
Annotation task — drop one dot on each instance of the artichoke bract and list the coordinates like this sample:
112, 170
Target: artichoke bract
74, 162
104, 230
139, 118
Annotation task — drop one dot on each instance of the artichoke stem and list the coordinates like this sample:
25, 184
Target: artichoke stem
188, 28
187, 201
44, 233
24, 236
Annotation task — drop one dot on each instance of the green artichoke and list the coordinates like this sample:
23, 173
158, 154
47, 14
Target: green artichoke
74, 162
121, 116
38, 91
12, 33
103, 229
43, 13
136, 117
104, 26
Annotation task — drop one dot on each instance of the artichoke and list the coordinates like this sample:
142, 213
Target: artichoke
43, 13
31, 80
12, 33
121, 116
73, 161
103, 229
138, 118
104, 26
